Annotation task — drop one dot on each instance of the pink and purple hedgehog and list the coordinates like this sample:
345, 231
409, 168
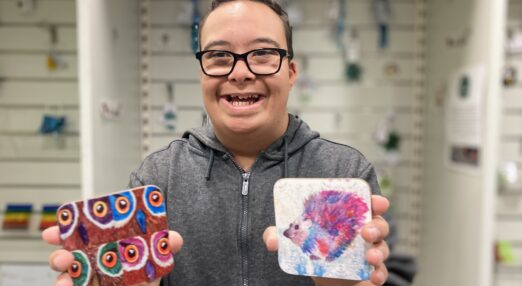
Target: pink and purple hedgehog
328, 225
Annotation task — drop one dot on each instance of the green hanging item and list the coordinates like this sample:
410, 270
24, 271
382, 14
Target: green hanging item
353, 71
504, 252
393, 142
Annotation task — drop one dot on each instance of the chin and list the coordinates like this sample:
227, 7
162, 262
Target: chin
241, 127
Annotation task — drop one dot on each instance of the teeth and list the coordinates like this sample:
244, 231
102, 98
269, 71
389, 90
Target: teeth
242, 100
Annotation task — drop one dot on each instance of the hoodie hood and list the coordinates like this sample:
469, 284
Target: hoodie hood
297, 135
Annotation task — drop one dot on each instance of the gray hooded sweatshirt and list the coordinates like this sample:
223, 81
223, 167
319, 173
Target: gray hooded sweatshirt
222, 211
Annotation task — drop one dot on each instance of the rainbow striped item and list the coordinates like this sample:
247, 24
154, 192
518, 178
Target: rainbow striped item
48, 216
17, 216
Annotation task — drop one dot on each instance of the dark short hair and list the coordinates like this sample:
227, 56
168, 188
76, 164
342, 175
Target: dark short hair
272, 4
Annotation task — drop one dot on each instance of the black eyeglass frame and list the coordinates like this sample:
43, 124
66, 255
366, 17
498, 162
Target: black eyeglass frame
282, 53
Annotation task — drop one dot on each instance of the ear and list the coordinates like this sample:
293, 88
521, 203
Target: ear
292, 72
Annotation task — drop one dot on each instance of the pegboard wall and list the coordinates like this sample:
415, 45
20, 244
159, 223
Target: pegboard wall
343, 111
509, 201
35, 168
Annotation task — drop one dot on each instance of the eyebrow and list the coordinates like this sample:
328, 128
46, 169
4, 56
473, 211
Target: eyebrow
266, 41
256, 41
216, 43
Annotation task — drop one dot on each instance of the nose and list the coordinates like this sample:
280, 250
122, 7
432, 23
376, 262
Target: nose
241, 73
287, 233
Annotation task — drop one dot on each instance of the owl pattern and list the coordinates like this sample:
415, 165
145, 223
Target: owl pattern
118, 239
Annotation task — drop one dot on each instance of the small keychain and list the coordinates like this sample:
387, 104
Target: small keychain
353, 69
170, 115
306, 83
389, 139
382, 10
54, 60
196, 18
510, 75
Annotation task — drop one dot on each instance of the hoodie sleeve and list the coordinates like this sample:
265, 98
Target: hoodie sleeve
368, 174
145, 174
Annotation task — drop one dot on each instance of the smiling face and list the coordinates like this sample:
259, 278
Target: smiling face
243, 103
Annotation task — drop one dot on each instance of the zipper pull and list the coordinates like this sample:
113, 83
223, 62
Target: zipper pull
244, 189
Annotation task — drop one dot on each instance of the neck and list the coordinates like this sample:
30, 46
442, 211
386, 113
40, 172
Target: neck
245, 147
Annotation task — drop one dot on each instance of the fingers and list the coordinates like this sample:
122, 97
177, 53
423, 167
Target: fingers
270, 238
51, 235
376, 230
64, 280
378, 253
380, 205
60, 260
379, 275
176, 241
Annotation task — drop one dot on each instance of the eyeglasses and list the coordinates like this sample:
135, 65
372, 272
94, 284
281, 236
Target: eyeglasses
265, 61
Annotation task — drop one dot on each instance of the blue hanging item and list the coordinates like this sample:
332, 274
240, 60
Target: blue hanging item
196, 18
382, 10
341, 25
52, 124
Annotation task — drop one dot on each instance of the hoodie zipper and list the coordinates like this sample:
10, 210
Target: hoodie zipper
243, 229
243, 238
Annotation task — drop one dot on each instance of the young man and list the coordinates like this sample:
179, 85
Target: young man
218, 179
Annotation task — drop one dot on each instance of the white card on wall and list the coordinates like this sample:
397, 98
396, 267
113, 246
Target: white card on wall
464, 118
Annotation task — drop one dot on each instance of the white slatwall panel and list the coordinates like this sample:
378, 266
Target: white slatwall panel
344, 112
34, 168
509, 203
47, 12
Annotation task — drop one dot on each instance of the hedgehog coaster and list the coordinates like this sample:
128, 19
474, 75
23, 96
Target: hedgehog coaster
319, 223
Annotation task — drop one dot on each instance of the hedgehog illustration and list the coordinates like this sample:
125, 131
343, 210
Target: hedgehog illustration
328, 225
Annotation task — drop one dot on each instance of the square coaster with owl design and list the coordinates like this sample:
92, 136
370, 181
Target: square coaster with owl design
319, 223
117, 239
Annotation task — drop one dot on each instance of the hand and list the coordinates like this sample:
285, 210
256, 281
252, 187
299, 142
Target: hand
373, 232
61, 259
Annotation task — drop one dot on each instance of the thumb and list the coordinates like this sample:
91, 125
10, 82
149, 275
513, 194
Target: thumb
270, 238
175, 241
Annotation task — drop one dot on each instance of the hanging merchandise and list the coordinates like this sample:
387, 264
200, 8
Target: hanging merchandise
507, 175
389, 139
386, 186
184, 16
514, 41
48, 216
52, 124
382, 11
17, 216
306, 83
341, 25
54, 59
26, 7
504, 253
110, 108
509, 75
196, 18
353, 69
391, 69
170, 113
460, 41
